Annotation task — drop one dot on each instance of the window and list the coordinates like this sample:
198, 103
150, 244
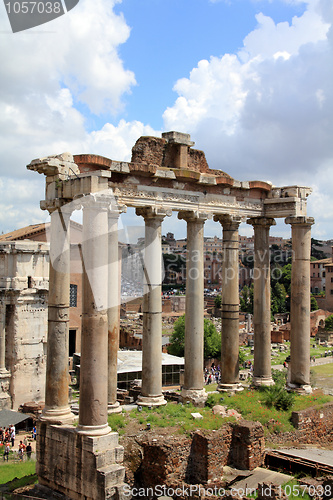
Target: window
332, 291
331, 280
73, 296
324, 274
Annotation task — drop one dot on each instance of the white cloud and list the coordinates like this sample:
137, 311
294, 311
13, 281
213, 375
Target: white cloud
267, 113
47, 73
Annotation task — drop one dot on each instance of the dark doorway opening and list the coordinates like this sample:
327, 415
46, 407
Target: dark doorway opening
72, 342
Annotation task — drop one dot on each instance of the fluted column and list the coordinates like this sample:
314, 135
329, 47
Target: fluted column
262, 373
230, 304
193, 389
93, 411
300, 303
57, 408
113, 311
151, 391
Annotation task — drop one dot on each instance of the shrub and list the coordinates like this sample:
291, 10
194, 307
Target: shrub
278, 397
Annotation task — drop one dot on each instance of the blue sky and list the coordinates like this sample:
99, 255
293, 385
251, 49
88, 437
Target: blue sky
250, 80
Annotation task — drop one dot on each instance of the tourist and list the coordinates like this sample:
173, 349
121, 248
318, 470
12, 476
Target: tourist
34, 432
21, 450
28, 450
6, 452
12, 438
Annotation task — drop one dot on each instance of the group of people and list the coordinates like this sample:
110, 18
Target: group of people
7, 438
212, 375
7, 435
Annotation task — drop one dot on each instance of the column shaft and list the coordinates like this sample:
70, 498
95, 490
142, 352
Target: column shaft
300, 303
151, 392
94, 344
230, 305
3, 339
194, 313
57, 375
262, 374
113, 312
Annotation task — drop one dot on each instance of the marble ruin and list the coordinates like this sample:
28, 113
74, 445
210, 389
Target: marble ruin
24, 269
165, 174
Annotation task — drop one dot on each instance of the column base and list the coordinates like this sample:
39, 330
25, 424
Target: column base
262, 381
59, 415
93, 430
237, 387
299, 389
151, 401
197, 397
114, 408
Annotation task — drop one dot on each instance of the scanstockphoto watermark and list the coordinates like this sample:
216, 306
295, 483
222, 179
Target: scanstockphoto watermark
27, 14
185, 491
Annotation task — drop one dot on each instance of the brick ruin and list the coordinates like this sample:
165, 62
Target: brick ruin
200, 458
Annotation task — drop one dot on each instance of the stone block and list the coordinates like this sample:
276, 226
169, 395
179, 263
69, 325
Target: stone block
96, 444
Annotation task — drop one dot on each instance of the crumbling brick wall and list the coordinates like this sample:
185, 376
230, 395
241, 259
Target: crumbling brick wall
210, 452
248, 445
313, 424
159, 153
201, 458
164, 458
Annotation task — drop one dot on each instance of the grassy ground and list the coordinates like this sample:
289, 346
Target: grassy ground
279, 357
250, 403
323, 369
13, 469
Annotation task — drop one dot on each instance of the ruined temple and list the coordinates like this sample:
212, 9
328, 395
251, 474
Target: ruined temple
164, 175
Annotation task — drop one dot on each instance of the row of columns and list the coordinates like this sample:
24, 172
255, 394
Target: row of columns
100, 318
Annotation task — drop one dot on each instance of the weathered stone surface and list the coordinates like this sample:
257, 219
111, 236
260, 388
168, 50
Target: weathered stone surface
23, 316
77, 465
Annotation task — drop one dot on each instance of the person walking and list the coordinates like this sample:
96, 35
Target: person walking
21, 450
6, 452
28, 450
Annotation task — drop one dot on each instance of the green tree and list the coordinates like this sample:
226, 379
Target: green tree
246, 299
212, 339
314, 304
278, 298
329, 323
218, 301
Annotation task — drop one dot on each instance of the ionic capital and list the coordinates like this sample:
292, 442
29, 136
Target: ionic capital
227, 221
156, 213
115, 211
96, 201
300, 221
193, 216
261, 222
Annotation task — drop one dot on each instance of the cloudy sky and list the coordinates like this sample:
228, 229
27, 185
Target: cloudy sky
250, 80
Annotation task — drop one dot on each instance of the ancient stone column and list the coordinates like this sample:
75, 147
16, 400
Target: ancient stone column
93, 410
193, 389
57, 408
113, 311
230, 305
2, 340
300, 303
262, 373
151, 392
